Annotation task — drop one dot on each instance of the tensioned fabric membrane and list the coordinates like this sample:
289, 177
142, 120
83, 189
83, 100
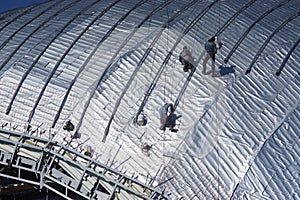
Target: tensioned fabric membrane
104, 65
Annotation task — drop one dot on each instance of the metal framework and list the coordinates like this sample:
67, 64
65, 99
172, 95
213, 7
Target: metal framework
66, 172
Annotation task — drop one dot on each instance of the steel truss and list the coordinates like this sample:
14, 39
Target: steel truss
66, 172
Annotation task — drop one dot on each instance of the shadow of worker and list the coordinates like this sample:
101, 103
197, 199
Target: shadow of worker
226, 70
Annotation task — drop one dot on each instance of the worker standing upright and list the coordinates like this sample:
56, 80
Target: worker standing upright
211, 48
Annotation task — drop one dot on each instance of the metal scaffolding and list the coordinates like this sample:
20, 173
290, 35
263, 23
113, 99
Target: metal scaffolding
46, 164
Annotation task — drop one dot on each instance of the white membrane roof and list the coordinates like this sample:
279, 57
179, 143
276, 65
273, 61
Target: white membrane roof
101, 63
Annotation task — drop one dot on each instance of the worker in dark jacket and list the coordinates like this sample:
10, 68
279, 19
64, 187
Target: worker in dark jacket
69, 126
168, 117
211, 47
186, 59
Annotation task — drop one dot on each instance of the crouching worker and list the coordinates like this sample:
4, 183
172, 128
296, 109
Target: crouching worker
142, 119
186, 59
69, 126
168, 118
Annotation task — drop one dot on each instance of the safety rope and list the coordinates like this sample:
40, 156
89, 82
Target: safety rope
219, 36
192, 47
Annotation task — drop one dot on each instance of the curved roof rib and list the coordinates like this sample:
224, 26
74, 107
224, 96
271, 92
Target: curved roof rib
99, 64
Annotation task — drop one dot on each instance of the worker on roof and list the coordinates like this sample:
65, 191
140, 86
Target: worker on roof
168, 117
211, 47
142, 119
186, 59
69, 126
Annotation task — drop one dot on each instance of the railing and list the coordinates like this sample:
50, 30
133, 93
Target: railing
47, 164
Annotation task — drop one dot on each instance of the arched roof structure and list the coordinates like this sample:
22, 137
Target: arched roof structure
102, 64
